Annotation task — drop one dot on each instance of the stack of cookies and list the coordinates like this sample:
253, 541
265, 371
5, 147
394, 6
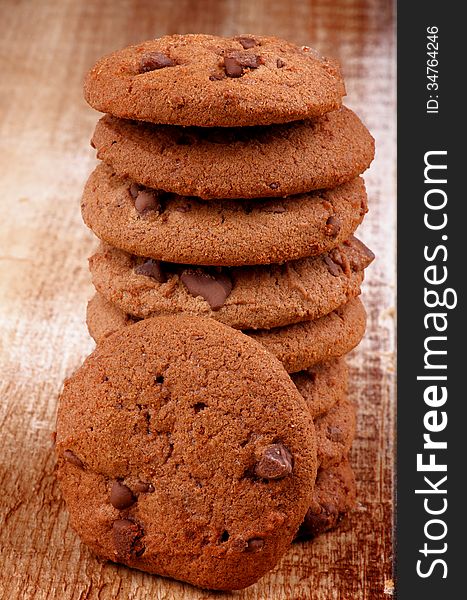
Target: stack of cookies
230, 189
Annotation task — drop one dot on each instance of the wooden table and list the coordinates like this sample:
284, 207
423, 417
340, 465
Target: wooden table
45, 157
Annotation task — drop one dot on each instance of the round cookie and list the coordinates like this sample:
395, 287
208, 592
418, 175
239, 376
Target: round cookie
184, 449
335, 432
322, 386
298, 346
210, 81
256, 162
334, 496
257, 297
177, 229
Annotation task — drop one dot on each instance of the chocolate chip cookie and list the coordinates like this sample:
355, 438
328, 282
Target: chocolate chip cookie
178, 229
210, 81
298, 346
248, 162
334, 497
256, 297
184, 449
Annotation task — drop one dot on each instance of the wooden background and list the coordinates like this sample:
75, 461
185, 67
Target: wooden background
45, 157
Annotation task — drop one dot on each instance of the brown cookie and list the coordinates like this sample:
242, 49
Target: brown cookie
177, 229
254, 297
335, 432
210, 81
322, 386
334, 496
184, 449
255, 162
298, 346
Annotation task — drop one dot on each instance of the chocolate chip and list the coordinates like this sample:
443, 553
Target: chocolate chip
151, 268
142, 487
134, 189
254, 545
246, 42
71, 457
213, 288
147, 200
274, 185
280, 63
358, 255
151, 61
333, 267
236, 62
333, 226
250, 61
341, 259
121, 496
232, 67
126, 537
275, 463
199, 406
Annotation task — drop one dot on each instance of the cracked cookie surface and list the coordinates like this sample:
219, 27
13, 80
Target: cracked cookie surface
184, 449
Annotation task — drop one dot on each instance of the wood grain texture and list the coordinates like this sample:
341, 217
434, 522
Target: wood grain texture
45, 158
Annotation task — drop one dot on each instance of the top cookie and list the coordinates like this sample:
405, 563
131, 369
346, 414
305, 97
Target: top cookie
184, 449
208, 81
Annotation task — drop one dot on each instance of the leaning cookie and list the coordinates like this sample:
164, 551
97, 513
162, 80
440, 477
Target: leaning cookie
298, 347
210, 81
256, 297
184, 449
333, 498
335, 432
257, 162
177, 229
